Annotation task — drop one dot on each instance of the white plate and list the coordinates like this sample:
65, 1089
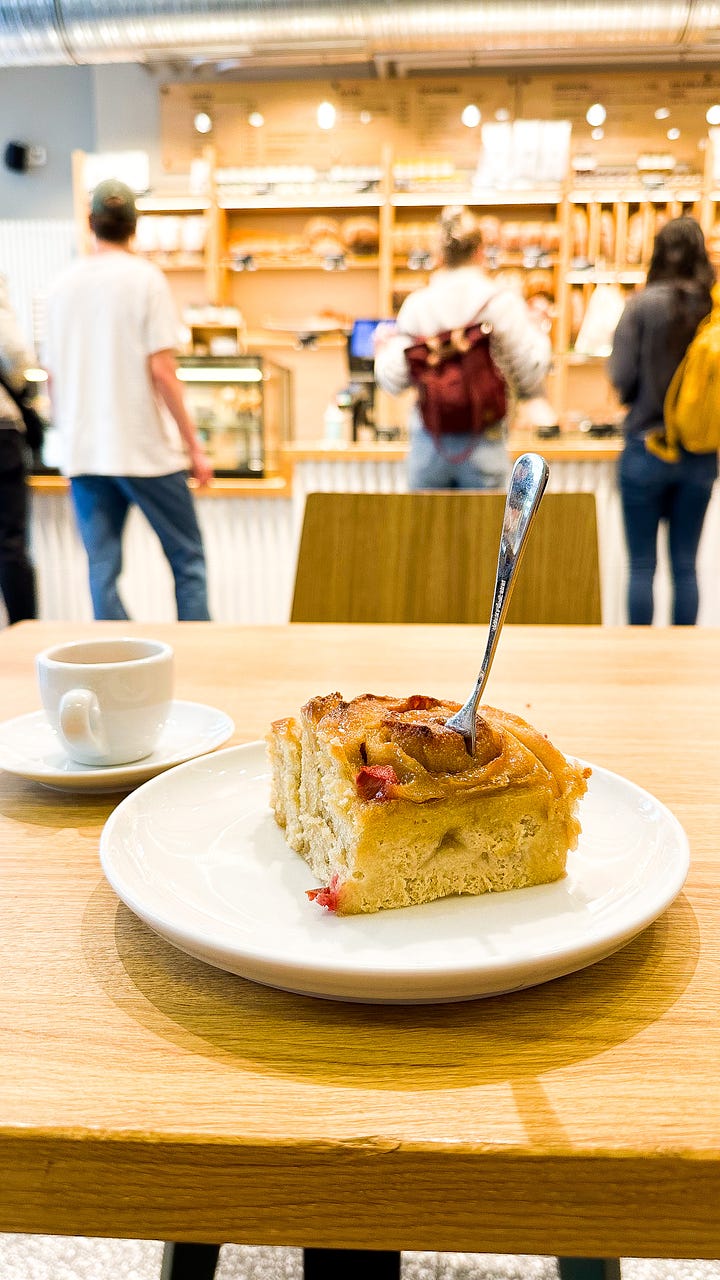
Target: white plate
30, 748
197, 855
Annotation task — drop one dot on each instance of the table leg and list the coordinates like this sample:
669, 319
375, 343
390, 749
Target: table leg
589, 1268
350, 1264
189, 1261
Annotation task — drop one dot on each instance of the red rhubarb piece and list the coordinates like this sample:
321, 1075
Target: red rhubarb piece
374, 780
328, 896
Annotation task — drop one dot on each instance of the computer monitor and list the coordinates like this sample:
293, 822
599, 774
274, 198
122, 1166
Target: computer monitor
361, 353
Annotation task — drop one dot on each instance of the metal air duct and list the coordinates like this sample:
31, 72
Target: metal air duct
301, 32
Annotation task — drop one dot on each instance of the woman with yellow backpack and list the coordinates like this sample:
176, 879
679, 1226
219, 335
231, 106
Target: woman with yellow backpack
665, 476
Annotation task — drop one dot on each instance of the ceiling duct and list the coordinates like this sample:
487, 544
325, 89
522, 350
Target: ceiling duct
301, 32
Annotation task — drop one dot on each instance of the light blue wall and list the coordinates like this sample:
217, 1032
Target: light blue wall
64, 109
51, 107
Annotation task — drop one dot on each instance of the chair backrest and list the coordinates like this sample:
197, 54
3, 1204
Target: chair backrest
432, 557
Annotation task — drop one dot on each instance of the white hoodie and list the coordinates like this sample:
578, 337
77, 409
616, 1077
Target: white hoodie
454, 298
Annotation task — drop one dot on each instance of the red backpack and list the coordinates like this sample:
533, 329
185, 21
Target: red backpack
460, 389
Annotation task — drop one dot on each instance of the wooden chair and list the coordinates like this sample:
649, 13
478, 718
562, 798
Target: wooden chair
432, 557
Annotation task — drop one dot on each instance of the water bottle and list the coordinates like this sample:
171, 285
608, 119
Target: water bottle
334, 422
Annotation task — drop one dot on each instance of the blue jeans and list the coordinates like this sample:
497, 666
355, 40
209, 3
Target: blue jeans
678, 494
101, 508
485, 467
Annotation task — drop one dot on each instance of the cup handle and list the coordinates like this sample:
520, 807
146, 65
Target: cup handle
80, 721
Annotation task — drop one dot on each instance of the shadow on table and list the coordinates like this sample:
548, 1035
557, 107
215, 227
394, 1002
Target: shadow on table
40, 806
509, 1038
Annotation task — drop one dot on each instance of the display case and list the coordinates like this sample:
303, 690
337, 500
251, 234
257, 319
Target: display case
242, 407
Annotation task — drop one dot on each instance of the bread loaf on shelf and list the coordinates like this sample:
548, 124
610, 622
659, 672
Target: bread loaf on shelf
607, 235
635, 237
361, 234
490, 228
579, 233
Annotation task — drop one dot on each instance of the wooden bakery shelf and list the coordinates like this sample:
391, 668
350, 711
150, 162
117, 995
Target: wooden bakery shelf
636, 195
476, 198
262, 263
603, 275
579, 358
376, 284
270, 203
182, 203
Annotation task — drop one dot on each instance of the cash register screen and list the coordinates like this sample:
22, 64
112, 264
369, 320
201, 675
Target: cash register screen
361, 354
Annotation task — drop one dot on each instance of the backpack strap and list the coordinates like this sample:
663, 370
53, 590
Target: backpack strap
663, 441
452, 342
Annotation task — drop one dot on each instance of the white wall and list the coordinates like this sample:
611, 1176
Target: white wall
127, 111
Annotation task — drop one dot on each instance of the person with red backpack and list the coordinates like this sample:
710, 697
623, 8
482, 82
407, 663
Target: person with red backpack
469, 347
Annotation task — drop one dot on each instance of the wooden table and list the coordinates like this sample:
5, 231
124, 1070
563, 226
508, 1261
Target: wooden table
145, 1094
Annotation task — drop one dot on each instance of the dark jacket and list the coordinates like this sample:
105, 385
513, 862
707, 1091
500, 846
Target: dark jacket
642, 362
14, 359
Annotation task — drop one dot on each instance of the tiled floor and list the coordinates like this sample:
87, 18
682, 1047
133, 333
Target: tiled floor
76, 1258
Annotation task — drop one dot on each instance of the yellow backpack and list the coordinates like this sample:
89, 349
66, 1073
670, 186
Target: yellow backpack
692, 403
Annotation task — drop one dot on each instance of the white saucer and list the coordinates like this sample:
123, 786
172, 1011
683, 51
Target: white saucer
30, 748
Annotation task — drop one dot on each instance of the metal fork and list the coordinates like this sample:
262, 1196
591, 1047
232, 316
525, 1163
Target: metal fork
527, 486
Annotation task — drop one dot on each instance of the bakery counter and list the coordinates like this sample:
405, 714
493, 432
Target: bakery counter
269, 487
570, 446
249, 534
578, 463
252, 543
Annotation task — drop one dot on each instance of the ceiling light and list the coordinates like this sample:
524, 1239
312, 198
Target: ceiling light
326, 115
673, 134
712, 115
662, 113
502, 113
596, 114
471, 116
203, 122
365, 117
256, 119
597, 134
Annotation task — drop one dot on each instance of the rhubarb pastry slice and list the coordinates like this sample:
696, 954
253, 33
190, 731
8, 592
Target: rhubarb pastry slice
388, 808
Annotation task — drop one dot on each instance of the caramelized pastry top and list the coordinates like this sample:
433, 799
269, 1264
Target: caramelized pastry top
402, 749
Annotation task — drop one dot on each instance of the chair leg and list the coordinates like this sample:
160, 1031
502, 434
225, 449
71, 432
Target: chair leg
589, 1268
351, 1264
189, 1261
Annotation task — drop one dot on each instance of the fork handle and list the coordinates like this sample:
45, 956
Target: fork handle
527, 486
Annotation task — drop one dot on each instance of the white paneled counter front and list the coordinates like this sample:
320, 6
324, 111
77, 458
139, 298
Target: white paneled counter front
251, 531
249, 541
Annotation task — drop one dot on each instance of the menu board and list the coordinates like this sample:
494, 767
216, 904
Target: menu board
423, 117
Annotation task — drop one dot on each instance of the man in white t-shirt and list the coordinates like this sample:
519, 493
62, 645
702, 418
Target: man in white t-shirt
125, 433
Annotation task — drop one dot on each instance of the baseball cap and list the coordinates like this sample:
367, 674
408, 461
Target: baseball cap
114, 198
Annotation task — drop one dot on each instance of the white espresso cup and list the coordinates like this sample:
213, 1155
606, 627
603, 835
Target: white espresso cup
107, 700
